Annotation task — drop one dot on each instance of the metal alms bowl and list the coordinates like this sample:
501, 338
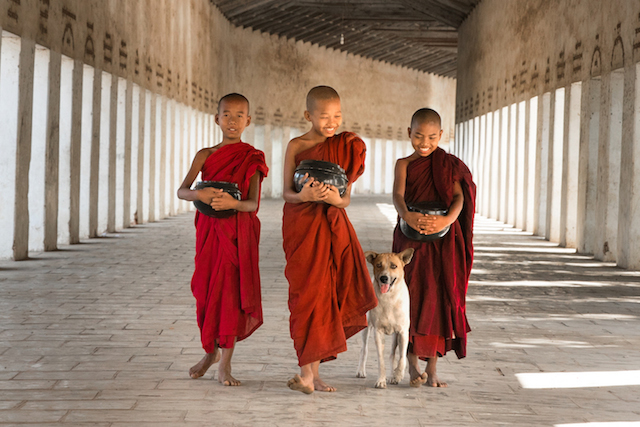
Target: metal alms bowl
326, 172
429, 208
227, 187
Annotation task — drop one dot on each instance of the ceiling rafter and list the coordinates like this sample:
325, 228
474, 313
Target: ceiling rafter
417, 34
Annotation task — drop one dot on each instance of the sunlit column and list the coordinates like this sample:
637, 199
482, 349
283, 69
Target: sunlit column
37, 167
85, 149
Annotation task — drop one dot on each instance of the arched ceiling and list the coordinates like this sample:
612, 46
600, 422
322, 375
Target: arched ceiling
418, 34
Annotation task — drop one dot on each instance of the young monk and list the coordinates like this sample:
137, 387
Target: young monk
438, 275
226, 281
330, 290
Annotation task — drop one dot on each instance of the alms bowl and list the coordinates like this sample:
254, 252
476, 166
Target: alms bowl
428, 208
227, 187
326, 172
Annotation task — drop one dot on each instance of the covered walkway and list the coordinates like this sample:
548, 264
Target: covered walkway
102, 333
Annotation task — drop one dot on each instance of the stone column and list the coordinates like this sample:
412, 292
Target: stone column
23, 150
503, 153
127, 184
511, 155
520, 165
76, 151
494, 198
86, 137
112, 162
532, 165
542, 173
52, 156
629, 209
38, 148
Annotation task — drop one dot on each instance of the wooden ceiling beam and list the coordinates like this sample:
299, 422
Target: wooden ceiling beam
428, 8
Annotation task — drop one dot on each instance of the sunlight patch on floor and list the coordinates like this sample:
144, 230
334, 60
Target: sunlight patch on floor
389, 211
578, 379
603, 424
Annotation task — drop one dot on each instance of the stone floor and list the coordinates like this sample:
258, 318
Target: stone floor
103, 333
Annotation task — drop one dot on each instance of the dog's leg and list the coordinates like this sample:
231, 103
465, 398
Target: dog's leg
382, 374
395, 358
362, 367
398, 372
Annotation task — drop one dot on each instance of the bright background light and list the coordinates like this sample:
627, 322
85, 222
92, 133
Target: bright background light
579, 379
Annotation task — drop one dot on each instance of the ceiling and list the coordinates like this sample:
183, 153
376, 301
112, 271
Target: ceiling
417, 34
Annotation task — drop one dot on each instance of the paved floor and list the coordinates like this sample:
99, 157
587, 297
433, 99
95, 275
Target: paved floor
103, 333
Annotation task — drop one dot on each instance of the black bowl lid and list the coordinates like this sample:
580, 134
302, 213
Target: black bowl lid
321, 164
429, 208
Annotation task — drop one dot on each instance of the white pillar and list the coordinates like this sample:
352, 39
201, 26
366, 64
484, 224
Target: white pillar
120, 153
85, 149
520, 166
512, 149
533, 163
503, 164
38, 148
64, 171
494, 206
544, 137
135, 142
571, 164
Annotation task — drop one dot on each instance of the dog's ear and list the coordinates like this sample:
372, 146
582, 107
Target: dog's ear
370, 256
406, 255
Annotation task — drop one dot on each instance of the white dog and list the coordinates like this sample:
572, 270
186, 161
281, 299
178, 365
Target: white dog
391, 316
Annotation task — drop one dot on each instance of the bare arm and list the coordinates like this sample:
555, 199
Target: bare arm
185, 192
222, 201
415, 220
312, 191
436, 223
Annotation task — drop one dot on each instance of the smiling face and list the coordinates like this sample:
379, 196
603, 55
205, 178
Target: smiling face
233, 117
425, 137
325, 117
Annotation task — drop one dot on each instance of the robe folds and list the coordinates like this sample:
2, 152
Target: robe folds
438, 274
226, 280
330, 290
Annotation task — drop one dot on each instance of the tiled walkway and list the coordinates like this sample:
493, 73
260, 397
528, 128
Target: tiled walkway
103, 333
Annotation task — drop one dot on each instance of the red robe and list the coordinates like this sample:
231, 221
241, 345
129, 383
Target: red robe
330, 290
226, 281
438, 274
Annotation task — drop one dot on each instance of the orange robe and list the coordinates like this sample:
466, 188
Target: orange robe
438, 274
226, 280
330, 290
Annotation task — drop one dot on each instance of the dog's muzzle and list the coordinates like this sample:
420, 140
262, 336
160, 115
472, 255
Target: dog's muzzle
385, 286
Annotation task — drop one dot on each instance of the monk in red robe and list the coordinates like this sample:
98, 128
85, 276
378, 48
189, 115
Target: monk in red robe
226, 280
438, 275
330, 290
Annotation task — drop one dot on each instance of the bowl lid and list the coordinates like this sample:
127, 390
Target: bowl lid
320, 164
429, 208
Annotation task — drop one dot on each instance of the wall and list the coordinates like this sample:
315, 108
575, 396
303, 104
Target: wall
104, 104
547, 113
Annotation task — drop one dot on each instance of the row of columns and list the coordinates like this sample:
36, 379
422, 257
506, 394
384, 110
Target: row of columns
86, 152
564, 165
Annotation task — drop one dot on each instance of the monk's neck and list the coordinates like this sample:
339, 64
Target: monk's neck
226, 142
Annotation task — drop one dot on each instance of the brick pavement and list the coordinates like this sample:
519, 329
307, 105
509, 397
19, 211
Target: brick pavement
103, 333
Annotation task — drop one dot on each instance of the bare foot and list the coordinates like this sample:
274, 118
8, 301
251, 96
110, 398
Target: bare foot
320, 385
225, 378
433, 381
298, 384
200, 368
418, 379
432, 378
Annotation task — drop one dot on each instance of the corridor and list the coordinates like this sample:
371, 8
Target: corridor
102, 333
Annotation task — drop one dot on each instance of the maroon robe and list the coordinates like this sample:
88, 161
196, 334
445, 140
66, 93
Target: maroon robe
330, 290
438, 274
226, 280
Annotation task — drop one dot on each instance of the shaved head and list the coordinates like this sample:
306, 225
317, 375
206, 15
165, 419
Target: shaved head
320, 93
426, 115
233, 97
